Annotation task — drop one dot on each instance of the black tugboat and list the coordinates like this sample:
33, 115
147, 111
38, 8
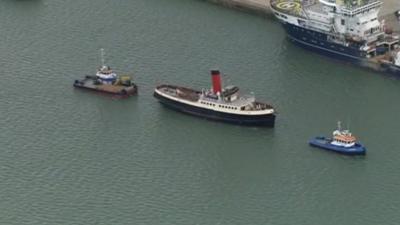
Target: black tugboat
107, 81
225, 105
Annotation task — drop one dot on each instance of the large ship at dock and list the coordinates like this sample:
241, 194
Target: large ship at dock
222, 104
344, 29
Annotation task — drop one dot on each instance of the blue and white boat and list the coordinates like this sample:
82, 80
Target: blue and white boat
349, 30
341, 142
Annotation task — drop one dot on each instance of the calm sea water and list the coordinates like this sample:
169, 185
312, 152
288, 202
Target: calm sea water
74, 157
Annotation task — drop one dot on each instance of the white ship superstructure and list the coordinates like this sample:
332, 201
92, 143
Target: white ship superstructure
340, 28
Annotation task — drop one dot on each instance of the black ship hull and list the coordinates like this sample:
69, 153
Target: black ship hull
317, 42
247, 120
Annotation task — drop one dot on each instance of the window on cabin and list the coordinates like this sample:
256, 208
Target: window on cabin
342, 22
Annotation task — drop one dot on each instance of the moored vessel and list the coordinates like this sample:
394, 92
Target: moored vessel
345, 29
342, 141
221, 104
107, 81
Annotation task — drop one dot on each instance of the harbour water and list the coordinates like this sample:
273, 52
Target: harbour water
74, 157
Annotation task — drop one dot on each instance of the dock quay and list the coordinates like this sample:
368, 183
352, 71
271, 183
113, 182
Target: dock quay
262, 7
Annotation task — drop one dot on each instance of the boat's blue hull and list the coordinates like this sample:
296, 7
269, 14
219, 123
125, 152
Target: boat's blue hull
325, 143
318, 42
249, 120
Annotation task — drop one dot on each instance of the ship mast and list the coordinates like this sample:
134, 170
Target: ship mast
339, 127
102, 56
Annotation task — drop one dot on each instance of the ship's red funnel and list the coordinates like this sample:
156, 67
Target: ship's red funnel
216, 81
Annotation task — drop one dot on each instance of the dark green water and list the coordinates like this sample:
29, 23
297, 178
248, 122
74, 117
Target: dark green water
74, 157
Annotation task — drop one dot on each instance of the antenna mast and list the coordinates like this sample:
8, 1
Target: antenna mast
102, 56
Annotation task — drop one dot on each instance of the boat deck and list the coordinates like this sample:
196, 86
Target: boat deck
291, 7
90, 83
180, 92
315, 7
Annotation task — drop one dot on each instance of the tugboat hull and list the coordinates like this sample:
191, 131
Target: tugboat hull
248, 120
89, 83
325, 143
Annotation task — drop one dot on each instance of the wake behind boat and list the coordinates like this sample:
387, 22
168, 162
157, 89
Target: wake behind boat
225, 105
342, 142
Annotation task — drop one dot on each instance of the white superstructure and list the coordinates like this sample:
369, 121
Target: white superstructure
105, 74
343, 138
397, 60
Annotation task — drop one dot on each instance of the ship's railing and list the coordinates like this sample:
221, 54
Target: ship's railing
350, 10
256, 106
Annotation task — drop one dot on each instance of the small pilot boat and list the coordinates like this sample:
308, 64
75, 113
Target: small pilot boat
342, 142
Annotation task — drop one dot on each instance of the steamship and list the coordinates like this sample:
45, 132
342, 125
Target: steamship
221, 104
344, 29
